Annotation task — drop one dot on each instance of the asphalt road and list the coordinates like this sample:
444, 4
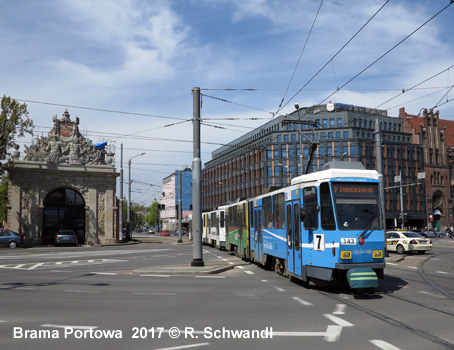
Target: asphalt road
82, 297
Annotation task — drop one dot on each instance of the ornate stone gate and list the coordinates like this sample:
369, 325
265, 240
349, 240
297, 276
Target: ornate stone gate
64, 182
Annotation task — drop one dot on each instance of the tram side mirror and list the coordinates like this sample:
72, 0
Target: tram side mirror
303, 214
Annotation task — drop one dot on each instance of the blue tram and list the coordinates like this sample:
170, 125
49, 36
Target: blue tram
325, 226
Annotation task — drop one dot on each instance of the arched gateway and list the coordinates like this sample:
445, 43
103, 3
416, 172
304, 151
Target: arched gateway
63, 209
64, 182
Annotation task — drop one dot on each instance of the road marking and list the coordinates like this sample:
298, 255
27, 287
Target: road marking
185, 346
18, 266
279, 289
67, 326
82, 291
443, 273
59, 263
155, 276
35, 266
231, 263
331, 334
339, 309
301, 301
209, 276
383, 345
154, 293
412, 267
249, 272
240, 267
224, 259
104, 273
220, 257
339, 321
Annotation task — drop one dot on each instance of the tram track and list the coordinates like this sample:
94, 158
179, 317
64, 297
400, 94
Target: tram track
436, 340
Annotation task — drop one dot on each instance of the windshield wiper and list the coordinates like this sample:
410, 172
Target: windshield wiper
369, 224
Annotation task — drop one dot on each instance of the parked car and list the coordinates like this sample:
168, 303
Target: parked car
10, 239
430, 233
407, 241
165, 233
150, 231
65, 237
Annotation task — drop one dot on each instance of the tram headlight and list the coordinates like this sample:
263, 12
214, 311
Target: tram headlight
377, 254
346, 254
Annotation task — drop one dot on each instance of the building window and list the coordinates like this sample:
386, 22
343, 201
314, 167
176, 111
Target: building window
339, 122
345, 134
286, 138
293, 137
338, 134
279, 138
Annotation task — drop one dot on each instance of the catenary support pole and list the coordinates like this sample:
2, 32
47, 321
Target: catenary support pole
121, 196
380, 171
180, 209
197, 258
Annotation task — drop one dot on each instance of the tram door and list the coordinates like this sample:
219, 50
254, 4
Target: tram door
293, 238
258, 233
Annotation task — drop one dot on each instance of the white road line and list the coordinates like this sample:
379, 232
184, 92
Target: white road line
76, 262
224, 259
154, 293
443, 273
59, 263
279, 289
185, 346
82, 291
301, 301
209, 276
412, 267
383, 345
339, 309
249, 272
104, 273
220, 257
67, 326
231, 263
339, 321
155, 276
18, 266
264, 280
2, 321
35, 266
240, 267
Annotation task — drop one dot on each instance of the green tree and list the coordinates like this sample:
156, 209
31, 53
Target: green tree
153, 215
14, 122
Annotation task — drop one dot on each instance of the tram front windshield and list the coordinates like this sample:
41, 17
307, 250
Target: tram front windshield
356, 205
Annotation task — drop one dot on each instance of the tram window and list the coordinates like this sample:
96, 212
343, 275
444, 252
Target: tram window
296, 225
289, 226
310, 201
327, 213
244, 214
267, 214
278, 210
222, 219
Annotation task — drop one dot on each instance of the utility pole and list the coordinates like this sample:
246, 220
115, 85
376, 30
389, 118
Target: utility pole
197, 258
180, 209
121, 195
380, 171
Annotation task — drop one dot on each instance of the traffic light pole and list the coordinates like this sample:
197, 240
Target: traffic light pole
197, 258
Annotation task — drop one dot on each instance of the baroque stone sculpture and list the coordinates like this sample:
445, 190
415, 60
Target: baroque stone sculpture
65, 144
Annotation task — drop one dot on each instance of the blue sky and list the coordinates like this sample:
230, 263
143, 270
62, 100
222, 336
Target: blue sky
145, 57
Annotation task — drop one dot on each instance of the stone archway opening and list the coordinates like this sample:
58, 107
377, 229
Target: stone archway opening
64, 208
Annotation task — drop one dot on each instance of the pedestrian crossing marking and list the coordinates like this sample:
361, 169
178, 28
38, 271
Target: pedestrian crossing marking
33, 266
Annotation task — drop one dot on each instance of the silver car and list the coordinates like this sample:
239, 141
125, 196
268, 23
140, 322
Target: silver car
65, 237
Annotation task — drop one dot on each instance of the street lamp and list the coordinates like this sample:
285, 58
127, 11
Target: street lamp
129, 196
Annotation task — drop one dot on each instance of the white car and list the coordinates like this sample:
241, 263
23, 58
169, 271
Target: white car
407, 241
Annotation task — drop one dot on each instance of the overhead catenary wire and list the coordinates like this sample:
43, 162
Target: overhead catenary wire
301, 54
387, 52
337, 53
